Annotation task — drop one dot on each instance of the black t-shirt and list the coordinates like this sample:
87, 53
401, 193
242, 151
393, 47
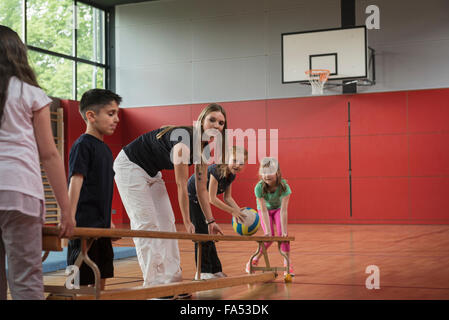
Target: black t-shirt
154, 155
93, 159
223, 182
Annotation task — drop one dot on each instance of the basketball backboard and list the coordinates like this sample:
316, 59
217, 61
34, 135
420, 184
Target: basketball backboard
342, 51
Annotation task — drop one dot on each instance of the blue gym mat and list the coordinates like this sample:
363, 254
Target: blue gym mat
58, 260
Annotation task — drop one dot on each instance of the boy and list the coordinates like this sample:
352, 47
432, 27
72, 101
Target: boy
91, 181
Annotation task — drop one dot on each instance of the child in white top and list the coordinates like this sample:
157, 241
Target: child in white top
25, 139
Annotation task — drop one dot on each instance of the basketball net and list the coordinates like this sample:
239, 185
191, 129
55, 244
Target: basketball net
317, 79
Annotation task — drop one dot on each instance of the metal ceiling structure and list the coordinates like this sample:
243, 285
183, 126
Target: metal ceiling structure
104, 4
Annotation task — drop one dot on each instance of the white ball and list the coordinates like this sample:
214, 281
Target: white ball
251, 216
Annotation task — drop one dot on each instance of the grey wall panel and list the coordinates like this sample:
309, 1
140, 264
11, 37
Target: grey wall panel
411, 44
229, 80
195, 51
407, 21
273, 5
165, 84
219, 8
412, 66
275, 87
228, 37
145, 13
147, 45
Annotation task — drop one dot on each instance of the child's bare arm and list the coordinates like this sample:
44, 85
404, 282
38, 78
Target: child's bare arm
53, 166
265, 218
226, 205
284, 215
76, 182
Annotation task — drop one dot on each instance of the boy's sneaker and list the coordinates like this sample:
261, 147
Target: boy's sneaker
164, 298
183, 296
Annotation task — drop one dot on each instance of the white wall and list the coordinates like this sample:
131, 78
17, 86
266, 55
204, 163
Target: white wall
200, 51
412, 44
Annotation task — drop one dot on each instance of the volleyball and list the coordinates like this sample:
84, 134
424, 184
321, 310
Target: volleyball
250, 225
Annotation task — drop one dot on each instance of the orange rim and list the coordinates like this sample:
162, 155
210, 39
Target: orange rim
323, 73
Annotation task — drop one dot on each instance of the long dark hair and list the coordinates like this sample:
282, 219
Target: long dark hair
13, 62
210, 108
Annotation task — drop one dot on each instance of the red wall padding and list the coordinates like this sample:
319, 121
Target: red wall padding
399, 153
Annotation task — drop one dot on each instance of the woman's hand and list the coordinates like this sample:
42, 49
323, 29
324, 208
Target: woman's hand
239, 215
214, 228
190, 228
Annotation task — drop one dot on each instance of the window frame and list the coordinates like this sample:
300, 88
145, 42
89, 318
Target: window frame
108, 17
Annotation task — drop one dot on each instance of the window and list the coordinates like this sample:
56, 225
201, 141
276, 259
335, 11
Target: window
90, 24
89, 77
11, 15
55, 74
66, 42
49, 25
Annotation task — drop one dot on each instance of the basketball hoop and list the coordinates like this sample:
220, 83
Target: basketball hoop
317, 79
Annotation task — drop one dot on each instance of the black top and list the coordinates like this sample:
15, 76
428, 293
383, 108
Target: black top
152, 154
223, 182
93, 159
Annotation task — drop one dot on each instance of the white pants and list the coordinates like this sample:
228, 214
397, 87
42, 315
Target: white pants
148, 207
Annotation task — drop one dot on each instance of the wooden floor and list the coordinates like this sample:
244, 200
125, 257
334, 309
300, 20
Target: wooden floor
329, 262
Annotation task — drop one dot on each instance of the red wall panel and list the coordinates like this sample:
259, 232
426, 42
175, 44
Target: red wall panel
243, 193
319, 201
399, 153
377, 199
429, 199
141, 120
379, 156
243, 114
428, 110
308, 117
379, 113
314, 157
429, 154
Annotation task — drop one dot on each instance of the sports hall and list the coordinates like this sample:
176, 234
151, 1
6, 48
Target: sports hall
362, 144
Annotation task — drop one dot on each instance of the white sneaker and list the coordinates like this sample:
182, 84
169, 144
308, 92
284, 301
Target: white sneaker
220, 275
205, 276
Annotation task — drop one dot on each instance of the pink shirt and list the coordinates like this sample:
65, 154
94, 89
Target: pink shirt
20, 172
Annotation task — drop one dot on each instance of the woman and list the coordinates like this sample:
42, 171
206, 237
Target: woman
145, 197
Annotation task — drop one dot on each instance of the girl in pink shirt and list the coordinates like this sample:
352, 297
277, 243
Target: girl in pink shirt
25, 139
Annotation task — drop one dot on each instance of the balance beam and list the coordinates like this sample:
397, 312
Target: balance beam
173, 289
95, 233
51, 242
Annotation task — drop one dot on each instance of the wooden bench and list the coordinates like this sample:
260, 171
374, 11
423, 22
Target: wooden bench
51, 242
